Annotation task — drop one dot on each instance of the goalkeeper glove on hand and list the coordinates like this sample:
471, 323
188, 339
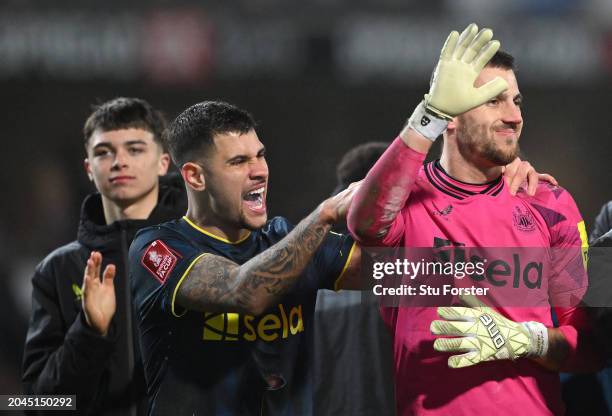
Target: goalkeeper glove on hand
452, 90
485, 335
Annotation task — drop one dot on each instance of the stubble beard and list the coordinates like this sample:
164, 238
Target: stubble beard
248, 224
478, 140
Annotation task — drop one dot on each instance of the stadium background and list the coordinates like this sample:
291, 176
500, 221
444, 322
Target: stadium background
319, 76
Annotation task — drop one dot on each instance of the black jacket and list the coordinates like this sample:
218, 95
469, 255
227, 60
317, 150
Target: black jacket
603, 222
599, 294
62, 354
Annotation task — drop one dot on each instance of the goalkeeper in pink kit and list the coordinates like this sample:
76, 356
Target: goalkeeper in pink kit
472, 359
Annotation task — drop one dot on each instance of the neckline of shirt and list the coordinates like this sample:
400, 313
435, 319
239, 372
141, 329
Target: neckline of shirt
216, 237
457, 189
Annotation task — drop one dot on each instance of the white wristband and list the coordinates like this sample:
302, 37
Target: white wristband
539, 338
427, 123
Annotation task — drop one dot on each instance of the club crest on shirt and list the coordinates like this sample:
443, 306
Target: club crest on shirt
159, 260
522, 219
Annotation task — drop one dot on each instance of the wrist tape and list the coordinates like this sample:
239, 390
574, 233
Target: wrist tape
539, 338
427, 123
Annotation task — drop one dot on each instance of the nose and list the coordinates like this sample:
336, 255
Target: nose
512, 114
258, 169
120, 160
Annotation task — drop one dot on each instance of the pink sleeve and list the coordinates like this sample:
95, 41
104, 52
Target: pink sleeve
569, 240
373, 216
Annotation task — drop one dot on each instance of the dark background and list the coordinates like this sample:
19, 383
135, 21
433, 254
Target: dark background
319, 76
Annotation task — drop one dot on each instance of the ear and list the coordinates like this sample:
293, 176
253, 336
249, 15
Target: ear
164, 163
87, 167
452, 125
193, 175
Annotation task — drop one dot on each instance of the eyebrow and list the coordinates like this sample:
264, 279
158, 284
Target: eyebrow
259, 153
504, 94
127, 143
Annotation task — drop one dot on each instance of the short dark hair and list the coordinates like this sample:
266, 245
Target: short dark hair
502, 59
193, 130
356, 163
124, 113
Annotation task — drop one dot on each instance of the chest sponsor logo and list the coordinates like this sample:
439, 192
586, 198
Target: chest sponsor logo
522, 219
159, 260
497, 271
280, 324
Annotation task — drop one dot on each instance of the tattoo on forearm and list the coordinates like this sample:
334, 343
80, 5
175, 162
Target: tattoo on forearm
218, 284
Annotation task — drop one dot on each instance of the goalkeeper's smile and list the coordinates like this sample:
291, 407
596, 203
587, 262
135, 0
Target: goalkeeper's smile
491, 131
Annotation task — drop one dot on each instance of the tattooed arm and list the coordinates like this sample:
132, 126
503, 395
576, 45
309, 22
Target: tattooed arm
216, 284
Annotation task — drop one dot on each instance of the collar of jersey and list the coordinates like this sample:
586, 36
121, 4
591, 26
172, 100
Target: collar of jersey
457, 189
216, 237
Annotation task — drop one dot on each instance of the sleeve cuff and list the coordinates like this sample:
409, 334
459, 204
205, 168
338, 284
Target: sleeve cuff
175, 309
97, 346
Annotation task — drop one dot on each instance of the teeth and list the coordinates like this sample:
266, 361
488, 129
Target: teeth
257, 191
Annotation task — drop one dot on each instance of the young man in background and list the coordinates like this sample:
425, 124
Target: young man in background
81, 337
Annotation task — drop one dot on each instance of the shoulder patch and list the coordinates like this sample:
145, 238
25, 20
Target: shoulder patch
159, 260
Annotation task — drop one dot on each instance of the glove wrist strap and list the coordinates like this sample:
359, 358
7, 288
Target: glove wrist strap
427, 123
539, 338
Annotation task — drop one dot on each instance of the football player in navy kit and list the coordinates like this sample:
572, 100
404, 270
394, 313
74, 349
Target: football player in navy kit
224, 296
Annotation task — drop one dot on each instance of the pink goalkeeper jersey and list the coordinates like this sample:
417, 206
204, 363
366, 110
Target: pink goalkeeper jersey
441, 210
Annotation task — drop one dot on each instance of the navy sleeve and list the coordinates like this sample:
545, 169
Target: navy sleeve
332, 258
159, 261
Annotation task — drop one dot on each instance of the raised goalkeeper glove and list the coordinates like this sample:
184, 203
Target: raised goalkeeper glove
485, 335
452, 90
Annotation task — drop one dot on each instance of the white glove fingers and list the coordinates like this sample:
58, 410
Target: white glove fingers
454, 328
485, 53
483, 37
472, 301
491, 89
465, 39
449, 45
463, 344
457, 313
463, 360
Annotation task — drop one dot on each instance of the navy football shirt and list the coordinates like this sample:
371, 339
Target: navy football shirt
199, 363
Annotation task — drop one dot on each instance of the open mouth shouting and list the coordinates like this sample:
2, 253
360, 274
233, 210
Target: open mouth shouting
255, 199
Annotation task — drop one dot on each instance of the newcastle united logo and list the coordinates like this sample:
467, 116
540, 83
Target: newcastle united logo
523, 220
